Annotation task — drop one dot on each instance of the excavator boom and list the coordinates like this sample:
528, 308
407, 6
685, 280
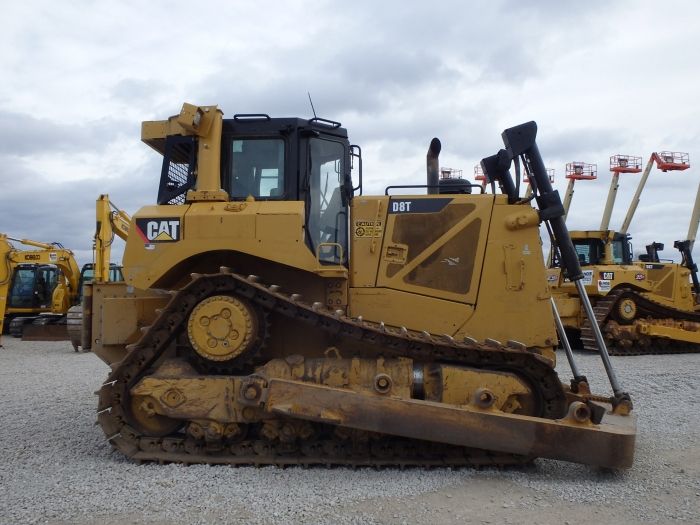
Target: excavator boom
111, 221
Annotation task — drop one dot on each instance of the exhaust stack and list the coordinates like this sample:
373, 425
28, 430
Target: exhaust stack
433, 166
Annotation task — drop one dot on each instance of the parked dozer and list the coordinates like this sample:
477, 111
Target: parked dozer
645, 306
273, 314
642, 306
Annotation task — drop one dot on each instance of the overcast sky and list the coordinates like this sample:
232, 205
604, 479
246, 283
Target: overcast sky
600, 78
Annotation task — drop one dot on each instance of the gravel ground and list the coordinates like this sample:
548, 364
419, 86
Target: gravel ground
55, 466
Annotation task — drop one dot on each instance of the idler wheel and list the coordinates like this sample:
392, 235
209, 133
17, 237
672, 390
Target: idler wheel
221, 327
143, 410
626, 310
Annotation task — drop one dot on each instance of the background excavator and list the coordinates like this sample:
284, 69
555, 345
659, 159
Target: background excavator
111, 222
36, 285
273, 314
642, 306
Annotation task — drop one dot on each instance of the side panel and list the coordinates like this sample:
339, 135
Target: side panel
411, 310
367, 229
465, 265
435, 246
164, 236
514, 299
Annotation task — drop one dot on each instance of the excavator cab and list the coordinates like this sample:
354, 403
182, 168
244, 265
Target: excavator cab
87, 274
29, 295
32, 287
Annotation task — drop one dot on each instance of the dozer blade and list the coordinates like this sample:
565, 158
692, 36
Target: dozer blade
608, 445
45, 332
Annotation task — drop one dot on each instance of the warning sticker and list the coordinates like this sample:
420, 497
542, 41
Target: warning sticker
587, 277
364, 228
603, 285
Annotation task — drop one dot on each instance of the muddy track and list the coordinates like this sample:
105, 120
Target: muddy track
325, 447
620, 342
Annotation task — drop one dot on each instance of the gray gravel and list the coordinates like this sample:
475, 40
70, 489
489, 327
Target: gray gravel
56, 468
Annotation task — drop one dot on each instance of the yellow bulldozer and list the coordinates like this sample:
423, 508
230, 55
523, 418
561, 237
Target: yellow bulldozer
644, 306
273, 314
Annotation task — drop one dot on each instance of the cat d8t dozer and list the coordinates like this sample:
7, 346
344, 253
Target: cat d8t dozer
272, 314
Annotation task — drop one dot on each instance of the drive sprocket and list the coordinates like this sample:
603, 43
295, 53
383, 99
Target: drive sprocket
224, 333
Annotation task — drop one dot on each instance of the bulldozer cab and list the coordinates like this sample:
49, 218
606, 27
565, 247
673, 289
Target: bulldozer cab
600, 247
276, 159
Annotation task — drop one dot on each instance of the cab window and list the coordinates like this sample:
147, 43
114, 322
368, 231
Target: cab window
589, 251
327, 211
257, 169
622, 252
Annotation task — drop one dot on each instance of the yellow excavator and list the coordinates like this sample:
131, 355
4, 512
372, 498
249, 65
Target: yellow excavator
111, 221
37, 286
644, 306
272, 314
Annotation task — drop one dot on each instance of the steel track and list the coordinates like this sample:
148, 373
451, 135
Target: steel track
648, 310
326, 449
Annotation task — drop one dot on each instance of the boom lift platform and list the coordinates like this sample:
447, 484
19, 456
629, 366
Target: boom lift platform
618, 164
577, 171
526, 180
665, 161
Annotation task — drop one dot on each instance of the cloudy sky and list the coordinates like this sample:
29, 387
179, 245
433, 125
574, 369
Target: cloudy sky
600, 78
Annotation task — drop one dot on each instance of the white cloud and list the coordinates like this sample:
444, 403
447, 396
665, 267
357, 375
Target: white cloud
599, 78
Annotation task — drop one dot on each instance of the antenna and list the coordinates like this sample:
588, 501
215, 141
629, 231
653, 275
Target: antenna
312, 104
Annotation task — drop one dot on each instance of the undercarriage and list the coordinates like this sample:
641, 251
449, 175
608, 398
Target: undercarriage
207, 383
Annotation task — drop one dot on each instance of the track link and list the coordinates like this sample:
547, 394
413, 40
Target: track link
325, 448
622, 341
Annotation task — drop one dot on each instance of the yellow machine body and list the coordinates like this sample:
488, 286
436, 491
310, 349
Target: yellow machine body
635, 300
251, 329
58, 298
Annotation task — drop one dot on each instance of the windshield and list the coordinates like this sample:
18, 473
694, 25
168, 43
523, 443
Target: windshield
327, 215
257, 169
618, 252
589, 251
32, 287
622, 252
88, 275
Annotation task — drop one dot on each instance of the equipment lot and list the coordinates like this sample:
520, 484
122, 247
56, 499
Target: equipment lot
55, 466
